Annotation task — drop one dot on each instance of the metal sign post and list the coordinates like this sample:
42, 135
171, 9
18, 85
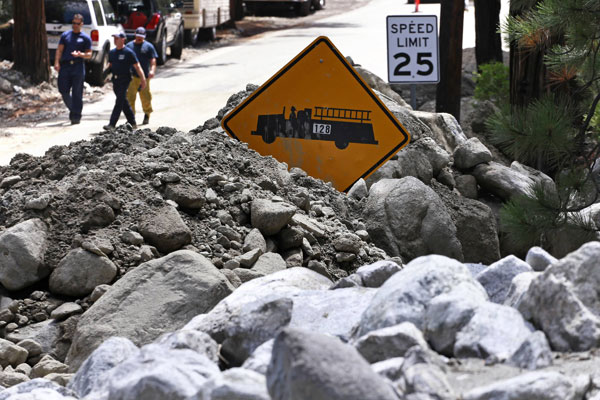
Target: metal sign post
413, 51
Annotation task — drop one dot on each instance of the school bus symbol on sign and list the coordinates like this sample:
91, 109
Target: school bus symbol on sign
317, 113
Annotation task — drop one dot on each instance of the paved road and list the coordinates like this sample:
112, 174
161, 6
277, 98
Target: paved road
190, 92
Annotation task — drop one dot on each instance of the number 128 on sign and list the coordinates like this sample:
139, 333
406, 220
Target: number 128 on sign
412, 44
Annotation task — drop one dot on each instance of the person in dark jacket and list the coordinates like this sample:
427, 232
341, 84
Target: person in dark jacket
121, 60
74, 47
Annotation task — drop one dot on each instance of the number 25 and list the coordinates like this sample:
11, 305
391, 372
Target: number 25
421, 60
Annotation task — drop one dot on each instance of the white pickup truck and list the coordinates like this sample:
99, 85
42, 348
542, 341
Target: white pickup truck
99, 23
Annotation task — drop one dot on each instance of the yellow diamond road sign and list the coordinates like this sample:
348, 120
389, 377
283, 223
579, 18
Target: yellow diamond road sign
318, 114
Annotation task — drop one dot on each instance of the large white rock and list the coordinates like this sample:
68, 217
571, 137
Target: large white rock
518, 287
563, 301
22, 249
449, 312
156, 297
534, 385
260, 308
496, 278
534, 353
38, 387
160, 374
390, 342
236, 384
407, 294
494, 330
91, 376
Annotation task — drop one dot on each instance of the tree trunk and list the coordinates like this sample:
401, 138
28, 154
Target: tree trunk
527, 71
488, 44
30, 46
451, 31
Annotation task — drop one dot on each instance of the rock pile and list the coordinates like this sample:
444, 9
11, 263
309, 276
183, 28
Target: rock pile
170, 265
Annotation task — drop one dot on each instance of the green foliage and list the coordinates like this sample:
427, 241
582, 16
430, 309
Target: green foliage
492, 83
541, 135
542, 220
554, 133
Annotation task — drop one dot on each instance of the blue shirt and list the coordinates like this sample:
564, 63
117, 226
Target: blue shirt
74, 42
145, 52
122, 60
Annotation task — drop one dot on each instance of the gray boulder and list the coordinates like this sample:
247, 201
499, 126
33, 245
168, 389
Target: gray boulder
493, 331
165, 229
187, 196
91, 376
79, 272
496, 278
307, 365
449, 313
260, 358
359, 190
541, 385
159, 374
534, 353
390, 368
255, 240
39, 389
259, 309
471, 153
563, 301
476, 227
22, 249
407, 294
269, 217
11, 354
46, 333
502, 181
424, 381
236, 384
407, 218
374, 275
443, 128
269, 263
158, 296
539, 259
518, 287
390, 342
198, 341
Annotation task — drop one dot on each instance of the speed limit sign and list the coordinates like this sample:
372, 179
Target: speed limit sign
412, 49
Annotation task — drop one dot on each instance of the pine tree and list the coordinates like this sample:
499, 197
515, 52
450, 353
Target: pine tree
557, 130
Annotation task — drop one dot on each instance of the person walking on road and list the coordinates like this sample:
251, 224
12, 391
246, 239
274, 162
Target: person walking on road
146, 54
74, 47
120, 61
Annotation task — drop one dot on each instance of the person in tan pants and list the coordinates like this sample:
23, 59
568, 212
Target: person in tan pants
146, 54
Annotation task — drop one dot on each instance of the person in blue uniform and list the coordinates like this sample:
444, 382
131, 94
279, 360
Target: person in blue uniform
121, 60
74, 47
146, 54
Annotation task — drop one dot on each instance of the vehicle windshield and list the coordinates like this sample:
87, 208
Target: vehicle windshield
61, 11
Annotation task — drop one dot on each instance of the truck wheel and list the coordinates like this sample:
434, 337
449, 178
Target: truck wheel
177, 47
190, 36
97, 71
161, 50
303, 8
207, 34
341, 143
318, 4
